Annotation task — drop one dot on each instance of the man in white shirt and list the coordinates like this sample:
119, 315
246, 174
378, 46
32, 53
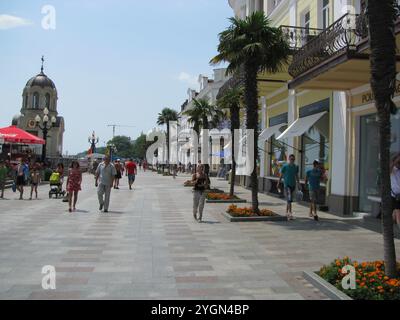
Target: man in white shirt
106, 172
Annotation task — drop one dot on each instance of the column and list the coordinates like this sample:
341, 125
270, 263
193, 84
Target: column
263, 126
340, 199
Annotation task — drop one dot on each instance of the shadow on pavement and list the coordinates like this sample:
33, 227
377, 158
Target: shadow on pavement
322, 224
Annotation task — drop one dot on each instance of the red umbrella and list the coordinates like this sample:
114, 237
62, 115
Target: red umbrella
13, 134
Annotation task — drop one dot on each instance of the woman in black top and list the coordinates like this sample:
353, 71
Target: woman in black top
201, 184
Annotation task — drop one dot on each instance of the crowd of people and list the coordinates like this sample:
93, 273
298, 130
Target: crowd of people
107, 176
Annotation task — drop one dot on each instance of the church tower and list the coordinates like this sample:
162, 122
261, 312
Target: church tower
39, 93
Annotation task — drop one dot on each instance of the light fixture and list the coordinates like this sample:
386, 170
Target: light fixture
46, 111
37, 119
53, 120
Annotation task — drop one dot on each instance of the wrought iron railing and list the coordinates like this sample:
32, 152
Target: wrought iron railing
343, 34
297, 37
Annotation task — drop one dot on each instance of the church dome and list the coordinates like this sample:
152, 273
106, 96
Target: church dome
41, 80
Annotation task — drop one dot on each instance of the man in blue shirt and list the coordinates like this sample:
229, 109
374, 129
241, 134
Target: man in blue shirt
290, 175
313, 181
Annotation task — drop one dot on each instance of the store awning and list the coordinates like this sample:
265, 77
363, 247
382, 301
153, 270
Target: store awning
300, 126
269, 132
15, 135
1, 139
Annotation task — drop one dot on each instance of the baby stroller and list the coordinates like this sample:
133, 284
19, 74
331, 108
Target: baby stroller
56, 185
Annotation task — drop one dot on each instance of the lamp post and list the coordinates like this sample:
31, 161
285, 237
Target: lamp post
111, 149
45, 124
93, 140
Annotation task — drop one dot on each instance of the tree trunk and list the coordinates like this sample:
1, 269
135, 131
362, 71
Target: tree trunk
206, 127
251, 99
235, 123
168, 147
381, 15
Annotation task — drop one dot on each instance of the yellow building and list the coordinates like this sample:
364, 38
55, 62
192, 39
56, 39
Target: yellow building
321, 106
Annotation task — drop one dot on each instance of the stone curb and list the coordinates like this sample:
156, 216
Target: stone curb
253, 219
325, 287
227, 201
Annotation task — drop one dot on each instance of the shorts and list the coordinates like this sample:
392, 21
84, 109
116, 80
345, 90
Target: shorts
20, 181
34, 184
289, 191
118, 175
131, 178
395, 204
314, 195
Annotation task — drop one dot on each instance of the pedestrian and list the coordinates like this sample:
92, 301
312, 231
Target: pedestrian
3, 177
201, 184
74, 182
144, 165
94, 166
290, 175
118, 176
174, 171
131, 171
395, 185
35, 180
20, 178
313, 182
140, 165
106, 173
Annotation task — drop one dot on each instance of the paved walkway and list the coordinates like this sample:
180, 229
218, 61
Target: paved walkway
149, 247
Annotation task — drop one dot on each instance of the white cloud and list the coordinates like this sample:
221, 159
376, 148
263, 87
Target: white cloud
9, 22
188, 79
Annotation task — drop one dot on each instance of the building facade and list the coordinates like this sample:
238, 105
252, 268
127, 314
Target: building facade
39, 93
321, 106
208, 89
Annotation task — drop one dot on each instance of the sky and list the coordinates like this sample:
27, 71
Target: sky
113, 61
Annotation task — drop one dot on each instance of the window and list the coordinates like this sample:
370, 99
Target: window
278, 153
315, 145
307, 21
325, 14
26, 101
47, 103
369, 157
35, 101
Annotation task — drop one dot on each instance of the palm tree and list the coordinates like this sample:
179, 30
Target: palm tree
164, 117
381, 19
231, 100
203, 115
253, 46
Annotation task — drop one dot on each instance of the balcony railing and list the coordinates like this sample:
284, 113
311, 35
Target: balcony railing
343, 35
298, 36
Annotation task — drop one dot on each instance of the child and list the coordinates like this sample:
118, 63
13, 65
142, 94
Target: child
35, 180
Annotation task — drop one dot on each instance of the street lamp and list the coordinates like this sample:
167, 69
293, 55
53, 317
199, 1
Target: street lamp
45, 124
93, 140
111, 149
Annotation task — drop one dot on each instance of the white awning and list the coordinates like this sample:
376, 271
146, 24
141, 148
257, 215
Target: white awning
300, 126
269, 132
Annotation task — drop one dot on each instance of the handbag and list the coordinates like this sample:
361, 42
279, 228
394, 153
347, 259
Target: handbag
14, 187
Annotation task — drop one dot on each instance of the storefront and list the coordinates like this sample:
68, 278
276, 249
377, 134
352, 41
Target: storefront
369, 153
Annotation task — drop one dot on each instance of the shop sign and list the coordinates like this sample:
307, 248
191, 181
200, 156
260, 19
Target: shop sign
316, 107
280, 119
369, 96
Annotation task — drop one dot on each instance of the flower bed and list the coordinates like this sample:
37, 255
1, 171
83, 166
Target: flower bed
234, 211
371, 281
222, 197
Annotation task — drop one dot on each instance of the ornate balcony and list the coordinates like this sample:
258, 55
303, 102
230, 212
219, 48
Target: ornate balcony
342, 36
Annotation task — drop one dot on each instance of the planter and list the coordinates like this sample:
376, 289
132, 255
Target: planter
325, 287
253, 218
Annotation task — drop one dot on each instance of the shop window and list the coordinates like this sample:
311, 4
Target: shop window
369, 153
278, 149
315, 145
